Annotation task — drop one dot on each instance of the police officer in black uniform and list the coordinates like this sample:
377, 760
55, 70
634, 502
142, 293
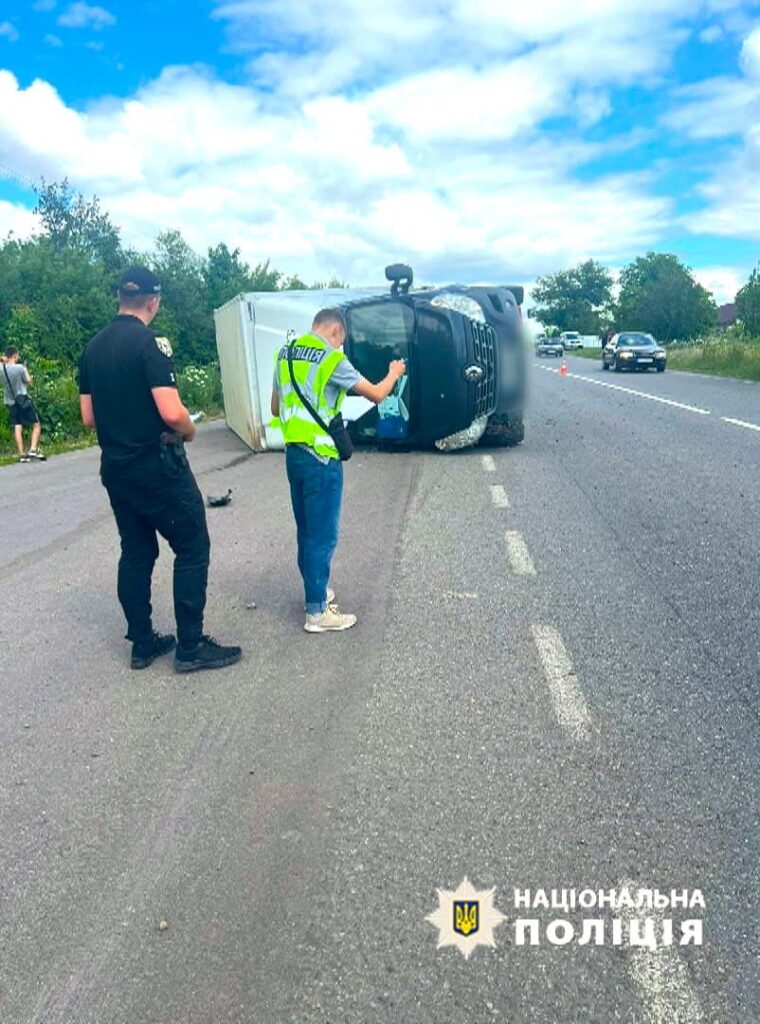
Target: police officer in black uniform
128, 392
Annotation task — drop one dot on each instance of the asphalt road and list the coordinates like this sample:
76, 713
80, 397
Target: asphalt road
553, 684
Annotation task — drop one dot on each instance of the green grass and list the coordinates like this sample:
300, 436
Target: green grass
9, 455
720, 355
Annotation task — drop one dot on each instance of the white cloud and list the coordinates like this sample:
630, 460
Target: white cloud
750, 58
82, 15
359, 139
9, 32
322, 190
727, 108
723, 282
44, 5
733, 194
17, 219
711, 34
715, 108
52, 40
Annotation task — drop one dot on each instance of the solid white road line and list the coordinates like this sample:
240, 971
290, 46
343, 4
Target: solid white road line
633, 391
519, 557
567, 697
489, 465
660, 975
499, 496
741, 423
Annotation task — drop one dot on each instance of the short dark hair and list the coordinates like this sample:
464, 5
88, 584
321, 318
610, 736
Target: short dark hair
331, 315
11, 351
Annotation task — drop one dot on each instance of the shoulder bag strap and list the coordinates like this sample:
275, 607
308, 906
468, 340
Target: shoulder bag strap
304, 400
10, 386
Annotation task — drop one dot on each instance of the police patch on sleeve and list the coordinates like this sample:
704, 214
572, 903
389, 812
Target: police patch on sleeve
164, 347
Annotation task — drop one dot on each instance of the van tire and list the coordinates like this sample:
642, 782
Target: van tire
503, 431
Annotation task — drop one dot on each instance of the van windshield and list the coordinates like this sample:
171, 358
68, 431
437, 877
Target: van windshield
379, 332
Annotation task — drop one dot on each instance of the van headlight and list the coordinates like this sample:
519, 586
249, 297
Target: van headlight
464, 304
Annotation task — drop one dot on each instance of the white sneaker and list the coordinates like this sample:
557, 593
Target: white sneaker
330, 598
329, 621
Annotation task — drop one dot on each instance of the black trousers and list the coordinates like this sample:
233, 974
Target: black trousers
158, 494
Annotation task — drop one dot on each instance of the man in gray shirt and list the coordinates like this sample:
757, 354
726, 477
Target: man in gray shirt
312, 460
21, 410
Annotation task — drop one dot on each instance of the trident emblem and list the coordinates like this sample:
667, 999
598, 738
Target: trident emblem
466, 917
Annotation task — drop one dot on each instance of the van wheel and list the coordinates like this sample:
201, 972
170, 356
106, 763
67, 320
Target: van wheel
503, 430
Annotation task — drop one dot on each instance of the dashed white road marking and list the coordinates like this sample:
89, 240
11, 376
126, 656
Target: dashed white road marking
741, 423
633, 391
660, 975
499, 496
489, 465
567, 697
519, 557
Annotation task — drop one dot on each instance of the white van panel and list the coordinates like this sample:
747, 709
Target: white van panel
250, 331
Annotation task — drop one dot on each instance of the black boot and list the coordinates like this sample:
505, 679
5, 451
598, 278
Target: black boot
206, 654
145, 653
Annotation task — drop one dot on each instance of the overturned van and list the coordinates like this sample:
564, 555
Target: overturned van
465, 380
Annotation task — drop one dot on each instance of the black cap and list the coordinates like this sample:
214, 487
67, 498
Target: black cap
139, 281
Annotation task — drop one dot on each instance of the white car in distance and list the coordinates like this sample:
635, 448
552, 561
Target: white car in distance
570, 340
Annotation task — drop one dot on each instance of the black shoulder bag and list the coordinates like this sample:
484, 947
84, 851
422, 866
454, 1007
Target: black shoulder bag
336, 428
23, 402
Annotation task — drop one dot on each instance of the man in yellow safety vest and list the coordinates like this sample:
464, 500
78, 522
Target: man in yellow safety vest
323, 375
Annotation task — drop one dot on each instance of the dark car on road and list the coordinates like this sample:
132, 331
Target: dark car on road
633, 350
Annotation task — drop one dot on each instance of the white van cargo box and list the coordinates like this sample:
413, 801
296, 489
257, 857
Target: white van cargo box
250, 330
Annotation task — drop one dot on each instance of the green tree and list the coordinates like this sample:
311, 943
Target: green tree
748, 303
185, 316
264, 279
658, 294
224, 274
334, 282
63, 289
574, 300
24, 329
72, 222
293, 283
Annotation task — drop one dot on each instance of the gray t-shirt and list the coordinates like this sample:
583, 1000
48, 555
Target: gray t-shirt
18, 376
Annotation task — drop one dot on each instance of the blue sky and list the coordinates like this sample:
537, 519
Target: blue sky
476, 139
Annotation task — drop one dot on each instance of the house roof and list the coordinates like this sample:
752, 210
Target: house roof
727, 314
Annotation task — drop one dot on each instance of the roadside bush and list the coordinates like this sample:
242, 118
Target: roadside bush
201, 388
56, 395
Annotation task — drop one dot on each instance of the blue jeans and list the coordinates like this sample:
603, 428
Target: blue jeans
316, 490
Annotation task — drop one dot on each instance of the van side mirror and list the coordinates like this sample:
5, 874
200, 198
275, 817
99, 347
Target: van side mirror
401, 277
